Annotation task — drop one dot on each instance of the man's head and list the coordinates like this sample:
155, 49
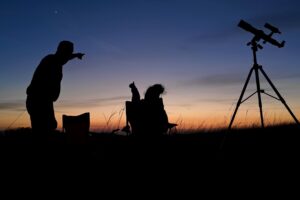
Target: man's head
65, 49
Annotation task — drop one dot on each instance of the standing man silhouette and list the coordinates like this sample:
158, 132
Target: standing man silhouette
44, 88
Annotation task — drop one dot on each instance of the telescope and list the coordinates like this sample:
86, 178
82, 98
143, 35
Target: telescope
256, 68
259, 34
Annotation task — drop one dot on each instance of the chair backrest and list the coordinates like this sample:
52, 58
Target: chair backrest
134, 116
76, 128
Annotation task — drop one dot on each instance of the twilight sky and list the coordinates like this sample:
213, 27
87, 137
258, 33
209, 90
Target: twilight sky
193, 47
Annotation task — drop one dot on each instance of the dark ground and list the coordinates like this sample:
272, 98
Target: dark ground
274, 144
251, 162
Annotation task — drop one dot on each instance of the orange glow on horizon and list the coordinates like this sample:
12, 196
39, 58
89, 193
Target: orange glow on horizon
190, 120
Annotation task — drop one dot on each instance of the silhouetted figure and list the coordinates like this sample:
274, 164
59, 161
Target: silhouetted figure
44, 88
148, 115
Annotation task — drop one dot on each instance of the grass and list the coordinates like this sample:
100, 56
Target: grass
278, 143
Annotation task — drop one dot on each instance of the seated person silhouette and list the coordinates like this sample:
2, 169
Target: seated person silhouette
147, 116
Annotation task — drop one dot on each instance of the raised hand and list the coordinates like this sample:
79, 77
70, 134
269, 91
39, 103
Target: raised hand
79, 55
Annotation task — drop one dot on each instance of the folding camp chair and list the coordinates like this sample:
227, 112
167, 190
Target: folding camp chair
134, 122
76, 128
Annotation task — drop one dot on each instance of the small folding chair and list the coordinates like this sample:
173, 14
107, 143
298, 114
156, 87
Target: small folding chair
76, 128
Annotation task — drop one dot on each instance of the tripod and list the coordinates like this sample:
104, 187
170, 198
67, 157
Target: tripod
258, 68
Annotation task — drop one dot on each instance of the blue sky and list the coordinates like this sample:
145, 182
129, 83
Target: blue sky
192, 47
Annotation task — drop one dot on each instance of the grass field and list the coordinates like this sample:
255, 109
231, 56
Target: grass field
276, 143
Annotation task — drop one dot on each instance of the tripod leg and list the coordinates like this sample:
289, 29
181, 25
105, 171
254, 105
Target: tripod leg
240, 99
279, 96
259, 96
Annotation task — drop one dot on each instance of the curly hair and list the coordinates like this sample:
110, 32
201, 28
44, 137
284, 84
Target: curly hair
154, 91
